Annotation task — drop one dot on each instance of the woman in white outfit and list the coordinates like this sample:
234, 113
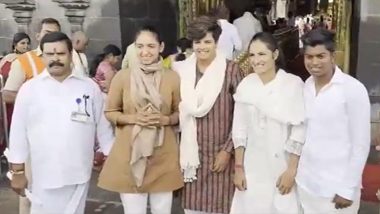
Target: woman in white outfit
268, 133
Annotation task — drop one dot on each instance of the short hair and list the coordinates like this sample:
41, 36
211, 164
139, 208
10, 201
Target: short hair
151, 29
202, 25
49, 21
319, 36
221, 12
271, 43
56, 37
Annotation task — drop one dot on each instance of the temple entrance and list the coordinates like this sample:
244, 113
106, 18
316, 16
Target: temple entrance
336, 12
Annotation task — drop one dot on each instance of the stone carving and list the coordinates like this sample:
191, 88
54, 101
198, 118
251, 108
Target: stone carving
75, 11
22, 12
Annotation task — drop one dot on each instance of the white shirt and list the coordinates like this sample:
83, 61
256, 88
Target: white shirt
61, 150
337, 137
247, 26
80, 63
229, 40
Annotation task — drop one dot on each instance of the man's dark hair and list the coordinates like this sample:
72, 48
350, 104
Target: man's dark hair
319, 36
151, 29
202, 25
56, 37
49, 21
221, 12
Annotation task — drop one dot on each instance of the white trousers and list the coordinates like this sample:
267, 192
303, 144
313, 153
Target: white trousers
197, 212
136, 203
312, 204
65, 200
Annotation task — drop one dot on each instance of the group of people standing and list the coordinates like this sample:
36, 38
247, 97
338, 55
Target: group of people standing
265, 143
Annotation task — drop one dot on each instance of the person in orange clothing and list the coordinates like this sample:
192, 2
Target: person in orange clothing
29, 64
20, 45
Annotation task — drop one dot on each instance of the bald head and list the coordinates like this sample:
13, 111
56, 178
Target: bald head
80, 41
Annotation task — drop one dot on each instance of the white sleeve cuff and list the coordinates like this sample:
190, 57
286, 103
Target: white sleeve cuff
293, 147
240, 142
347, 193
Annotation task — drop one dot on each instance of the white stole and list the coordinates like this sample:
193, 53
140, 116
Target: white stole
197, 101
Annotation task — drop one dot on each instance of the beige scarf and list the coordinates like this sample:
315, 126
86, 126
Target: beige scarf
145, 83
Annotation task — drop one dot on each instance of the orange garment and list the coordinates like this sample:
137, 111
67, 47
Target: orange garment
28, 67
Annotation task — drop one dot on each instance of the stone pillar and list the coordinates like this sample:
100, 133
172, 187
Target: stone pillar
75, 10
22, 12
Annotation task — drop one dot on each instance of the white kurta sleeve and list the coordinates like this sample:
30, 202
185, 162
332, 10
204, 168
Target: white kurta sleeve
104, 129
18, 140
296, 140
358, 112
240, 125
238, 45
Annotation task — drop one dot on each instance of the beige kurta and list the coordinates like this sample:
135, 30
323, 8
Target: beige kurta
163, 171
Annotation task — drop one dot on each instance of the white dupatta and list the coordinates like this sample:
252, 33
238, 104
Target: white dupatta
285, 103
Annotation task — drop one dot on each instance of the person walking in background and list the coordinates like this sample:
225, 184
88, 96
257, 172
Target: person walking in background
184, 50
229, 42
20, 45
80, 43
29, 64
103, 67
247, 25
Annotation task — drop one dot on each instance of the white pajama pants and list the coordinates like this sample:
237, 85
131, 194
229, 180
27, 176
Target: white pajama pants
312, 204
136, 203
65, 200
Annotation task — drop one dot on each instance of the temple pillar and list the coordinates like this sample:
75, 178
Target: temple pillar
22, 12
75, 11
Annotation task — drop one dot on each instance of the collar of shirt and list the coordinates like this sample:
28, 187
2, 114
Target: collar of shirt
248, 14
38, 51
222, 21
337, 78
45, 74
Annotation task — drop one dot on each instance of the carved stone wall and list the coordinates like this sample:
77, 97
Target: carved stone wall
98, 18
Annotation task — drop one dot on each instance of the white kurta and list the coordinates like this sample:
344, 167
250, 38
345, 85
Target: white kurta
247, 26
268, 122
60, 149
80, 63
281, 8
338, 138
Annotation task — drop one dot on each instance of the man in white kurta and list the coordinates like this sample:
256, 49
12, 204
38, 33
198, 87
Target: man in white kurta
247, 26
229, 41
56, 117
80, 42
338, 132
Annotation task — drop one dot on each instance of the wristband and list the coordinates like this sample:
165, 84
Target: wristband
18, 172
